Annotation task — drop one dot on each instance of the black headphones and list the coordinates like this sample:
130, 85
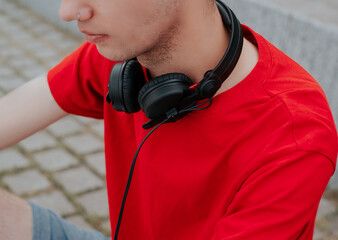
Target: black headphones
167, 95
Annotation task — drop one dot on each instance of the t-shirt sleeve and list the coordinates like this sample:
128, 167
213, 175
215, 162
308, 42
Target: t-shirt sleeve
79, 82
278, 201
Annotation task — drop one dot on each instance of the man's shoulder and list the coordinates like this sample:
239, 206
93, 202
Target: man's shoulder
285, 85
303, 100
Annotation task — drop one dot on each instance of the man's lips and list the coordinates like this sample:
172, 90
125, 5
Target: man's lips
94, 37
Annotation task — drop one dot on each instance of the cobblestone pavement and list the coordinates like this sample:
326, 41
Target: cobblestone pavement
62, 167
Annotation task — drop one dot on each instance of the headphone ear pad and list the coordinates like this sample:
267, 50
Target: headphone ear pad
163, 93
133, 81
126, 80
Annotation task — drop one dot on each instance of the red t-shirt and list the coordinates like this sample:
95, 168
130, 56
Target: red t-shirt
252, 166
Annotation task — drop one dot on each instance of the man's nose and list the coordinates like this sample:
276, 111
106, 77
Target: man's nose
71, 10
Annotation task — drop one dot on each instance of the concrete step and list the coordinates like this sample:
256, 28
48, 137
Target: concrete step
324, 11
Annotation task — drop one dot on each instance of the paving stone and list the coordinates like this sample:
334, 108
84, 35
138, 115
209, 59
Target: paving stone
3, 42
33, 71
20, 15
10, 159
29, 22
98, 128
84, 143
54, 201
10, 52
11, 82
8, 6
54, 36
19, 35
55, 159
80, 222
17, 8
41, 28
6, 71
26, 182
325, 208
106, 225
68, 44
37, 45
333, 184
97, 162
4, 20
318, 235
86, 120
20, 62
334, 226
38, 141
53, 62
78, 180
12, 29
95, 203
65, 126
47, 53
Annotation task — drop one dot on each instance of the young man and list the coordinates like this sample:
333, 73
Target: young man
251, 166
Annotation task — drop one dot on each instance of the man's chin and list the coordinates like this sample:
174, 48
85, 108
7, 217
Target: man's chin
104, 52
109, 54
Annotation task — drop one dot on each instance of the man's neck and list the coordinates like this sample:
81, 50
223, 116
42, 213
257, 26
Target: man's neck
198, 45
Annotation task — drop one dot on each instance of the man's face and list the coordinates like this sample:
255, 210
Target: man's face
123, 29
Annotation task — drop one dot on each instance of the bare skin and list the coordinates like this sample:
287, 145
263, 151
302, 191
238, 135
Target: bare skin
184, 36
27, 110
15, 217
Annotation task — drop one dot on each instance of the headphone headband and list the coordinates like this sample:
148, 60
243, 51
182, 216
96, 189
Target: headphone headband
214, 79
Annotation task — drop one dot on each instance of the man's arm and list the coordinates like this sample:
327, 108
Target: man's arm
27, 110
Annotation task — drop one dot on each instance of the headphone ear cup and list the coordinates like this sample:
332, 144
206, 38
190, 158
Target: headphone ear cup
133, 81
163, 93
126, 80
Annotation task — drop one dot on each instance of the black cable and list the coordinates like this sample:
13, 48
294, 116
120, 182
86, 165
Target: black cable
188, 109
131, 176
195, 108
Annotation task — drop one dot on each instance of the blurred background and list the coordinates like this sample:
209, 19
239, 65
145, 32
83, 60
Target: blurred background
62, 167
